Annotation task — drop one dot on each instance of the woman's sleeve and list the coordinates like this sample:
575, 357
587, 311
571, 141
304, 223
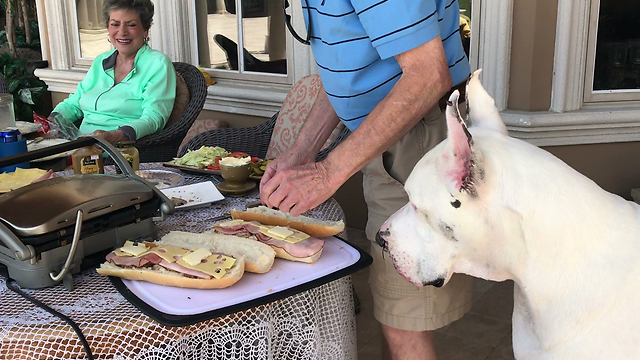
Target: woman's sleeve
70, 107
158, 97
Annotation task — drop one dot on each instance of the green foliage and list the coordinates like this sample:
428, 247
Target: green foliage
25, 87
21, 41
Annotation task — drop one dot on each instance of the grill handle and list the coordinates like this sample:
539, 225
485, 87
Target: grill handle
72, 252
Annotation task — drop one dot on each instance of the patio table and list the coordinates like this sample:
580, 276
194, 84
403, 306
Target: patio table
314, 324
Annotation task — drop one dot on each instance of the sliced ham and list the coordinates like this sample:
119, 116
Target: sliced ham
304, 248
184, 270
154, 259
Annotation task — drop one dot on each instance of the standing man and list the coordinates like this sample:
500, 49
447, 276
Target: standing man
386, 67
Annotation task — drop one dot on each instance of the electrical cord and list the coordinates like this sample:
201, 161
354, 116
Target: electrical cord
53, 312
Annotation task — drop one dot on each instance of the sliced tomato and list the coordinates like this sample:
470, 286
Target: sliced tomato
238, 154
255, 159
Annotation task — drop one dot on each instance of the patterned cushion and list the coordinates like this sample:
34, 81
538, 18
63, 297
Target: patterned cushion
200, 126
293, 113
181, 102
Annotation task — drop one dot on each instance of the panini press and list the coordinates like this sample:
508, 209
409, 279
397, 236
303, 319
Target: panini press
55, 228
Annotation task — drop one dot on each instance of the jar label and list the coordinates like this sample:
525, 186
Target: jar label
89, 165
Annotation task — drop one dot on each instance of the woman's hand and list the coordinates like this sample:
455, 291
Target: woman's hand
110, 136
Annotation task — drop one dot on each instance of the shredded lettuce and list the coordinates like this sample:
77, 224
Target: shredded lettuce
202, 157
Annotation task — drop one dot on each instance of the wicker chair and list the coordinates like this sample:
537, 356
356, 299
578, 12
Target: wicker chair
4, 89
163, 145
257, 140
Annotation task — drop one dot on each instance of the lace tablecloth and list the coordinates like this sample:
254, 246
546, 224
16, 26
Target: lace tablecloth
315, 324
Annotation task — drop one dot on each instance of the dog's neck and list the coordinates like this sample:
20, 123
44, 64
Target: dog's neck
554, 251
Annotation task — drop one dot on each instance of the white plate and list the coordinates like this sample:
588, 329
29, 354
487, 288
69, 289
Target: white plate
46, 143
195, 195
26, 127
284, 274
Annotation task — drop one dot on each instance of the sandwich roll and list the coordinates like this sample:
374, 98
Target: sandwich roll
312, 227
289, 244
176, 264
258, 257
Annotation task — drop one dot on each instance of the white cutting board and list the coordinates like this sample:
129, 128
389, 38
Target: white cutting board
284, 274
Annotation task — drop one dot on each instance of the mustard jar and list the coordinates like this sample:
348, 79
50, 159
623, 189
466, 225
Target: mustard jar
88, 160
129, 152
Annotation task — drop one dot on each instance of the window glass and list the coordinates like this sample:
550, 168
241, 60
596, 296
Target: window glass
465, 24
617, 58
92, 29
263, 35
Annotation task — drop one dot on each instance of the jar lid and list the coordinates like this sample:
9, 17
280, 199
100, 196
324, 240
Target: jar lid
123, 143
6, 98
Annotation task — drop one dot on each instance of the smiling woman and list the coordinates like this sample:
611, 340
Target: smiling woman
129, 91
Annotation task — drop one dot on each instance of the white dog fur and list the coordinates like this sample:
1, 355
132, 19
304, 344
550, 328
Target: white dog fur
494, 207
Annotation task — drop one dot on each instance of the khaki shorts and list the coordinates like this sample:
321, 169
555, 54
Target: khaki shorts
397, 302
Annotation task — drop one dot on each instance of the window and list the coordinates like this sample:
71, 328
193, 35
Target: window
613, 54
92, 31
234, 44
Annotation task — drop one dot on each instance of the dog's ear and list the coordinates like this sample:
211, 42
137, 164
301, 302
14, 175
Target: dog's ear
481, 109
460, 164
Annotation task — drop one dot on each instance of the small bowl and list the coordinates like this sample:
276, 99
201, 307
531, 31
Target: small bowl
235, 176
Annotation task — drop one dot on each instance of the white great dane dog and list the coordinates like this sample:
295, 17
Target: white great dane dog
497, 208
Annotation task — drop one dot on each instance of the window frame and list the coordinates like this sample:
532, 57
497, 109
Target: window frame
241, 75
600, 96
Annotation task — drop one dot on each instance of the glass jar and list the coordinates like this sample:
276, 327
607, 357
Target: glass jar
88, 160
7, 116
129, 152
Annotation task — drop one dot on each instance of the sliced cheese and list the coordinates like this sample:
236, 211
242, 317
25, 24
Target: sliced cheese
230, 223
283, 233
169, 252
132, 249
215, 265
194, 258
279, 232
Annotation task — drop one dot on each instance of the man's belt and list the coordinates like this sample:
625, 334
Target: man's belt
461, 88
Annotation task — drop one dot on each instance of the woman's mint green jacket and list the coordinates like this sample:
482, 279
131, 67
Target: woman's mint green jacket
143, 100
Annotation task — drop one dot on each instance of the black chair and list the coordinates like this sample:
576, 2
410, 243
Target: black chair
251, 63
163, 145
252, 140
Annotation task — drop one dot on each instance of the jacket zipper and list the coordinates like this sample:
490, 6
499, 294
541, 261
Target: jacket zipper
112, 86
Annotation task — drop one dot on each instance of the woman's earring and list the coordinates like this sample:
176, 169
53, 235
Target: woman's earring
109, 40
146, 40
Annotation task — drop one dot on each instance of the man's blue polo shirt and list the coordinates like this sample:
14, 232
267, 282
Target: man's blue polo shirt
354, 43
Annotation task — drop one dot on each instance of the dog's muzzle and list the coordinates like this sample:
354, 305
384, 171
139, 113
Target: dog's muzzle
437, 282
380, 239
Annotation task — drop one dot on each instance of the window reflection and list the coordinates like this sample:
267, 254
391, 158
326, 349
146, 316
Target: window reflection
92, 29
617, 64
263, 35
465, 24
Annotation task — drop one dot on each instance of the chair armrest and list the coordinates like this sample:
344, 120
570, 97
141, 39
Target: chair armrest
252, 140
344, 133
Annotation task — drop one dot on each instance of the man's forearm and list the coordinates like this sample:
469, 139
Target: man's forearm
419, 89
317, 128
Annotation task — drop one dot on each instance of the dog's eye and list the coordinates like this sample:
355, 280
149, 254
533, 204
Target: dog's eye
456, 203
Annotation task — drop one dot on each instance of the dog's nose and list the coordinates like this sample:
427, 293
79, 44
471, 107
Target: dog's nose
437, 282
380, 238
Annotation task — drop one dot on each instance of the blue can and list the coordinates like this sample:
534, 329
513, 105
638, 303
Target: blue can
12, 143
10, 135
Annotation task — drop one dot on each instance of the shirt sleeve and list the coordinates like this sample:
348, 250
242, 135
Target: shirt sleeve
396, 26
158, 97
69, 108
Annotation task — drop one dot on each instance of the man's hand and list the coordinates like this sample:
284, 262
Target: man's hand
299, 188
110, 136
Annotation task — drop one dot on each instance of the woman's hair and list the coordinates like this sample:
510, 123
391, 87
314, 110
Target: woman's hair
144, 8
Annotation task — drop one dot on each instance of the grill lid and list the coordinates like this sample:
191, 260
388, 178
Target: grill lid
52, 204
